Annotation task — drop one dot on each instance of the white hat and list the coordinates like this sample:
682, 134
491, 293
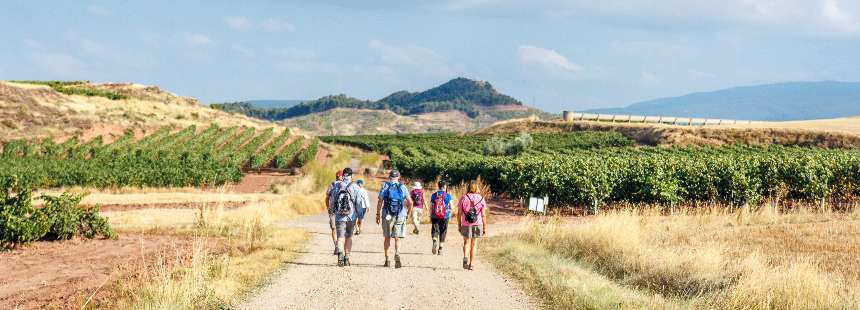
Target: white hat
416, 185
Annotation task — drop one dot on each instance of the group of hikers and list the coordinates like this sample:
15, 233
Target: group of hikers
347, 202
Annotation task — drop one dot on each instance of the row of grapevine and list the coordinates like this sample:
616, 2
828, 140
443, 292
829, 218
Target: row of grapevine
594, 176
188, 157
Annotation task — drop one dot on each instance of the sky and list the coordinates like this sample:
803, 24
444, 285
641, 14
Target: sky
552, 54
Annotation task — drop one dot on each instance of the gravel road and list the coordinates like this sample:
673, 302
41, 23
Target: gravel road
313, 280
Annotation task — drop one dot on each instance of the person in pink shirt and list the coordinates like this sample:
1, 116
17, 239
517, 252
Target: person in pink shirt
472, 221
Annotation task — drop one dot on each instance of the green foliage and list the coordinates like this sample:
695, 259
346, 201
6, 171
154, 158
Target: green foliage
60, 219
77, 88
459, 94
189, 157
308, 154
594, 169
497, 146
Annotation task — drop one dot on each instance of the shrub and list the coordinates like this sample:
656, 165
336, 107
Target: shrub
60, 219
497, 146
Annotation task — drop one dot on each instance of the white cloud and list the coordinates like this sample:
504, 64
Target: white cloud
547, 58
59, 64
648, 78
277, 25
98, 10
422, 58
196, 39
238, 22
838, 18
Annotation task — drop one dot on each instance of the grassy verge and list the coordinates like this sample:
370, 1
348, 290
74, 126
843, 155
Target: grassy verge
716, 259
251, 243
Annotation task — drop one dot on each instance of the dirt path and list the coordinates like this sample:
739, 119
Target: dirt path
313, 281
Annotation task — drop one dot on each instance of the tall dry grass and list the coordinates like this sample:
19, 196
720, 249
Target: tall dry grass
690, 259
253, 242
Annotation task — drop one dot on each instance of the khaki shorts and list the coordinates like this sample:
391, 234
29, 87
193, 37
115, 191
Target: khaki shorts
393, 228
345, 229
472, 231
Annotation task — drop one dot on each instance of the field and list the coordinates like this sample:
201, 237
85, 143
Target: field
710, 258
210, 156
594, 169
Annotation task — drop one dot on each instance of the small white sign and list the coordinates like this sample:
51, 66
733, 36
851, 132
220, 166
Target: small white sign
538, 204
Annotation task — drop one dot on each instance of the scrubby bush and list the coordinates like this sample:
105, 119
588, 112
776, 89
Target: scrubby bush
497, 146
60, 219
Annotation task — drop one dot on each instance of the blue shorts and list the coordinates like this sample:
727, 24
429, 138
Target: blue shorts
359, 213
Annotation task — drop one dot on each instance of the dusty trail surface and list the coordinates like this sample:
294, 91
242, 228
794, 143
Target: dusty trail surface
426, 281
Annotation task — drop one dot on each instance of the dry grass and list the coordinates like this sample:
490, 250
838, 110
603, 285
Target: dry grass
253, 243
711, 258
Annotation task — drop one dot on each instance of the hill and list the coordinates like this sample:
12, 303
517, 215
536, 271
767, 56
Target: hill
460, 94
30, 109
771, 102
274, 103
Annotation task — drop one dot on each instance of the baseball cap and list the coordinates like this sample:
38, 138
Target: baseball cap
359, 182
339, 173
394, 174
347, 172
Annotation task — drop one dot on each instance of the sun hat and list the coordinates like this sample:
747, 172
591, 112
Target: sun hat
360, 182
417, 185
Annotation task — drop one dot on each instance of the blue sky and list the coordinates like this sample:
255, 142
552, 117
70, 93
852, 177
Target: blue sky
555, 55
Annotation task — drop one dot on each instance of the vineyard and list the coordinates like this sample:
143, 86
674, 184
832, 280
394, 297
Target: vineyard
598, 168
188, 157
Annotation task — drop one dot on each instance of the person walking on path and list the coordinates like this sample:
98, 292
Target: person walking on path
440, 212
391, 212
472, 222
346, 201
328, 194
418, 200
362, 211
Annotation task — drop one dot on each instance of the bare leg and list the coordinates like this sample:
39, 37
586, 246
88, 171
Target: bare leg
348, 246
474, 249
387, 245
396, 246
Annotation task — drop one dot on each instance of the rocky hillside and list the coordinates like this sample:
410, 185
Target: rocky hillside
56, 109
458, 105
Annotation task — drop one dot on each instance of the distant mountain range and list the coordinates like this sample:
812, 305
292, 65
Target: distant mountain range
461, 94
771, 102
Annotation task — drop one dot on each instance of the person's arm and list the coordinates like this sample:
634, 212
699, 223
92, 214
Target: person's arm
409, 203
379, 202
484, 216
460, 210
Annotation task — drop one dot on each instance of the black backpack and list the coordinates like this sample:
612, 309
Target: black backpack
343, 203
472, 216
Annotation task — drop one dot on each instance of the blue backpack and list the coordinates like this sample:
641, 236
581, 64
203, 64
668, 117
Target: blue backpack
393, 201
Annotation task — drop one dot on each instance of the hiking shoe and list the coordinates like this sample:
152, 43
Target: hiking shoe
465, 263
346, 261
397, 263
387, 263
435, 246
439, 252
341, 260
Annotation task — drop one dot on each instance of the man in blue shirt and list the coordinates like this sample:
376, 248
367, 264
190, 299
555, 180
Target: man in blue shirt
345, 201
391, 212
